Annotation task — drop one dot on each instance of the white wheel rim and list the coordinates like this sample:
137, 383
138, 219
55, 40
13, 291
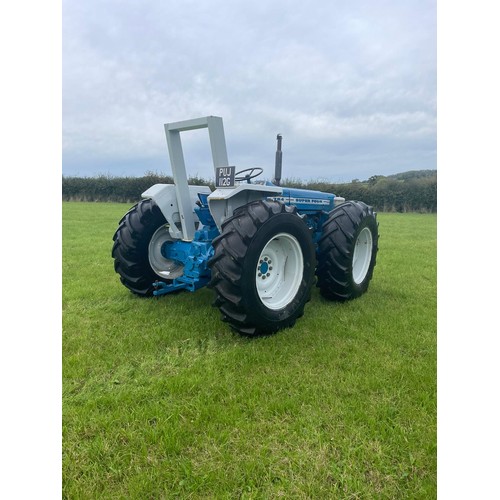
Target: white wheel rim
166, 268
279, 271
362, 255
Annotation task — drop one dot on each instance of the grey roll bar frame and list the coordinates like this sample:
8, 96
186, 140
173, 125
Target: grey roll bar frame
219, 157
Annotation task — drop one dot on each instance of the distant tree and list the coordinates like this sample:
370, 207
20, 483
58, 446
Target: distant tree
374, 179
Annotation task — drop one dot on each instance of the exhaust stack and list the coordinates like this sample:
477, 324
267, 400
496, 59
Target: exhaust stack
278, 162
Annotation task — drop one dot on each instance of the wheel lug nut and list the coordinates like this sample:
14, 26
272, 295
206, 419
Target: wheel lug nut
261, 261
260, 274
270, 268
265, 258
268, 274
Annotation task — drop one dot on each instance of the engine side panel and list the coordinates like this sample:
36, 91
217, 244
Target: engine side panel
307, 201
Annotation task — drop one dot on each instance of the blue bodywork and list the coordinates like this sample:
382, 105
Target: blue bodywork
307, 201
315, 205
194, 255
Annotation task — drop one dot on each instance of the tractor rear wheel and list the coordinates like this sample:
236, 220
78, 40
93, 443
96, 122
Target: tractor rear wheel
262, 268
137, 249
347, 251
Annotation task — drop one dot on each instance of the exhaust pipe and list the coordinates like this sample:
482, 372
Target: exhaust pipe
278, 162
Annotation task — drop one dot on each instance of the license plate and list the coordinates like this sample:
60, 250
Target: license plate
224, 177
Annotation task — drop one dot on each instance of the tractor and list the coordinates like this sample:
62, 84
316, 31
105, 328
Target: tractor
260, 246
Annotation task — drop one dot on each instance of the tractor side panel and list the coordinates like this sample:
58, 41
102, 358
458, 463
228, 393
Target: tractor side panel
307, 201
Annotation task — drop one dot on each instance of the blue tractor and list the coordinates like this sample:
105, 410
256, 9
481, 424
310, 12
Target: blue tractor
260, 246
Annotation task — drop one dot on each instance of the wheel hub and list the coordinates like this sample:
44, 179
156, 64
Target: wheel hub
279, 271
166, 268
362, 255
264, 268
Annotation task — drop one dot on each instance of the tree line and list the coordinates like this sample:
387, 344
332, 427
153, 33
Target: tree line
412, 191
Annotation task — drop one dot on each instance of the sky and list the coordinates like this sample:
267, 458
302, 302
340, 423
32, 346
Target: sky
351, 86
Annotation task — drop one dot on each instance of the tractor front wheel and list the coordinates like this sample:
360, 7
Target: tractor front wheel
347, 251
263, 267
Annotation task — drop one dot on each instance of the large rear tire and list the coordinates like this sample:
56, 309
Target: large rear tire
262, 268
347, 251
137, 249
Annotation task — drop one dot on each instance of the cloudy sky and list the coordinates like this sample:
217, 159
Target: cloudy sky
350, 85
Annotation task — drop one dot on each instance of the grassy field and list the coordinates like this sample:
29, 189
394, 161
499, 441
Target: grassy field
162, 400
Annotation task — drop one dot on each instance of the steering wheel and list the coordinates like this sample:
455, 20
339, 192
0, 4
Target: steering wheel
248, 176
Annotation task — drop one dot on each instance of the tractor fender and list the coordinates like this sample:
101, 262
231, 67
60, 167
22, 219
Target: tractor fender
165, 196
224, 201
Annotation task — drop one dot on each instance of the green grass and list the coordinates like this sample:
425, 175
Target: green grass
162, 400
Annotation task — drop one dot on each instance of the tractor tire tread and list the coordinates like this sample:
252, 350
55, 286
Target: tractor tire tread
336, 248
130, 247
227, 263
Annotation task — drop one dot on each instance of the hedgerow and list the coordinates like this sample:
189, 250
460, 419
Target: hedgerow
413, 191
